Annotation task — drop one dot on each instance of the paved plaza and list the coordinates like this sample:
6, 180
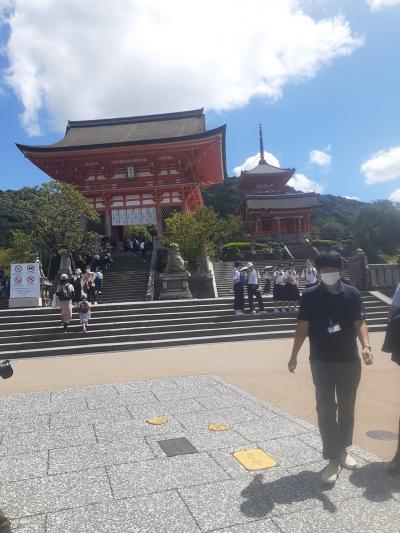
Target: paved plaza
87, 461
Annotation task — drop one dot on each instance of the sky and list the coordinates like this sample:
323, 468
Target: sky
321, 76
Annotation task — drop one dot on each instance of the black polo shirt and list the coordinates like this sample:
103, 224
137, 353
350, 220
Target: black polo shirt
336, 312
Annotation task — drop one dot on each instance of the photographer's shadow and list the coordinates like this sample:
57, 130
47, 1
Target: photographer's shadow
262, 497
376, 481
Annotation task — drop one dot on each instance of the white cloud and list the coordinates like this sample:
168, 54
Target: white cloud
382, 166
377, 5
395, 196
351, 197
321, 157
300, 182
253, 161
80, 60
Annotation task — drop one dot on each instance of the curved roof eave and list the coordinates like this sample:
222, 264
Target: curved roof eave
51, 148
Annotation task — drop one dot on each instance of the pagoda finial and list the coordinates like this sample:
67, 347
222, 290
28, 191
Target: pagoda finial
262, 159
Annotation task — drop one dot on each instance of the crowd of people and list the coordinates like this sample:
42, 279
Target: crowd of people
136, 246
283, 281
79, 291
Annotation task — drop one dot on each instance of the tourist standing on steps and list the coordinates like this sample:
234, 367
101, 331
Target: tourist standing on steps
65, 293
309, 274
253, 289
88, 285
278, 293
392, 345
143, 250
238, 283
331, 315
291, 288
76, 282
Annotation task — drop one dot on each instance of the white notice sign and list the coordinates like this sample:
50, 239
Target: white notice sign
25, 280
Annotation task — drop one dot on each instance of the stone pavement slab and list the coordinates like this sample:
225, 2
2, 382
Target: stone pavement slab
86, 460
162, 513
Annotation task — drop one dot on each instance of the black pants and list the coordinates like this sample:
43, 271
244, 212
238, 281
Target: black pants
335, 391
91, 294
238, 290
254, 290
267, 286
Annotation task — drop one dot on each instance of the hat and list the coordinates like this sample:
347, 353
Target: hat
244, 269
268, 267
250, 265
64, 276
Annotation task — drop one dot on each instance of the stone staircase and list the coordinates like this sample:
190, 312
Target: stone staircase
302, 250
138, 325
126, 280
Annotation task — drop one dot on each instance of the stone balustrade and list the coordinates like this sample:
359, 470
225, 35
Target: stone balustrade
384, 276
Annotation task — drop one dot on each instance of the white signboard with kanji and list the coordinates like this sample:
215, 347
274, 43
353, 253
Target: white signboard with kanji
132, 216
25, 280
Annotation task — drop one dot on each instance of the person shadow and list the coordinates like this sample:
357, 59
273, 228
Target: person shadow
378, 484
262, 497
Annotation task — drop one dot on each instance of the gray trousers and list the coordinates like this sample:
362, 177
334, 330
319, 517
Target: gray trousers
335, 391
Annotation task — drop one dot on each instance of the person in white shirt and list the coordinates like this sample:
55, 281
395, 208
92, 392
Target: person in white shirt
253, 289
142, 246
292, 290
309, 274
278, 293
238, 283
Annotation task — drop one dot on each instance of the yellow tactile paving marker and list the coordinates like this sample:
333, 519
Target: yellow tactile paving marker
255, 459
157, 421
218, 427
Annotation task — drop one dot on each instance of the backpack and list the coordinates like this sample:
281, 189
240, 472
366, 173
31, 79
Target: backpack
243, 279
64, 293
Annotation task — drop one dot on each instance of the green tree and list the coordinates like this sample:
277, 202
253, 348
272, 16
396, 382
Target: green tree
58, 220
195, 233
377, 229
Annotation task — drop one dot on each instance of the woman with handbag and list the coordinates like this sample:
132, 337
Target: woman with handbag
392, 345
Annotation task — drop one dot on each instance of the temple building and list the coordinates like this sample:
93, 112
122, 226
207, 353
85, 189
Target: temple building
137, 170
269, 211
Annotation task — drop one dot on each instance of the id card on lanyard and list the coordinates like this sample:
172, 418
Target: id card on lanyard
333, 328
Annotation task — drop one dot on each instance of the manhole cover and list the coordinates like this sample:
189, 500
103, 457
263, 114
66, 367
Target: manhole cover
382, 435
179, 446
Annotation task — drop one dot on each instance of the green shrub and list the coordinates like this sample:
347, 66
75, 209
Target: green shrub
323, 242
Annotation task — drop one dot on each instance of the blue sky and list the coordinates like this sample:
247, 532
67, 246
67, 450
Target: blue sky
347, 107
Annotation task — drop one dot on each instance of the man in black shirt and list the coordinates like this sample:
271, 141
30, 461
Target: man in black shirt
332, 316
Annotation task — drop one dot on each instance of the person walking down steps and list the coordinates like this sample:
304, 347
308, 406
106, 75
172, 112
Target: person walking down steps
83, 309
65, 293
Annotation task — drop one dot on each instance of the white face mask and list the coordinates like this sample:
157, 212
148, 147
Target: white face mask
330, 278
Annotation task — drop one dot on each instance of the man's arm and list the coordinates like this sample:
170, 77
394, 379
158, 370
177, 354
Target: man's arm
299, 337
362, 334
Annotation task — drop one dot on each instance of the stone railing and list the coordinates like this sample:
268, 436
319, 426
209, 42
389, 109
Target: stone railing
384, 276
152, 273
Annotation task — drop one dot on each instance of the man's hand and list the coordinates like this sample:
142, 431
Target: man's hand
367, 356
292, 364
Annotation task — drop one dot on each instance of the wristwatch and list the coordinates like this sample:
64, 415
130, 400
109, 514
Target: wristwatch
367, 346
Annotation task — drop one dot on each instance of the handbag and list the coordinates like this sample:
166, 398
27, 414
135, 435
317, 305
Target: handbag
54, 302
